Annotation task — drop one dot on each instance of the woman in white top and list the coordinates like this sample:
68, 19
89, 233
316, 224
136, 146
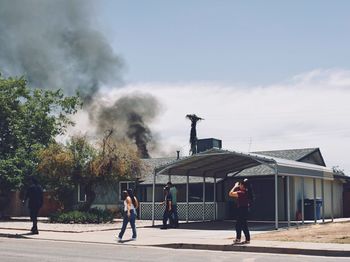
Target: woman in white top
130, 206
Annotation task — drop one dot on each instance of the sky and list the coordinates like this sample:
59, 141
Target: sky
264, 75
250, 42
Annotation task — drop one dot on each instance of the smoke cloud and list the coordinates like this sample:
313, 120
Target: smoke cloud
129, 117
55, 44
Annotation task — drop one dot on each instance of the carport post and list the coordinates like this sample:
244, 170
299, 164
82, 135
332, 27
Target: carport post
332, 210
214, 198
187, 198
153, 196
276, 197
322, 188
203, 198
288, 202
302, 199
315, 218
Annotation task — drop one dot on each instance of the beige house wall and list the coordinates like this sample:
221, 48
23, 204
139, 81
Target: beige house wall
296, 195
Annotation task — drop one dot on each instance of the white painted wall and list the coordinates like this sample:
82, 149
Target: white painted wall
296, 195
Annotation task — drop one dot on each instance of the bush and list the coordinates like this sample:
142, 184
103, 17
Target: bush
93, 216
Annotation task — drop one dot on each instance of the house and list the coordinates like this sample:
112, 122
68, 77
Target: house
306, 188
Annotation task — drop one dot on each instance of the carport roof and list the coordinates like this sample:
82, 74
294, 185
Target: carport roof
218, 163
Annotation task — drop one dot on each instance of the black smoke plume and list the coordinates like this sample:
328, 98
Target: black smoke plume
56, 44
129, 117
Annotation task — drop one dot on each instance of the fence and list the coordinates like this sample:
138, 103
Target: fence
195, 211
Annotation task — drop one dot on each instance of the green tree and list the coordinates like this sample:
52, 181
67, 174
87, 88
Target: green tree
338, 171
56, 163
29, 120
83, 154
115, 160
79, 162
65, 166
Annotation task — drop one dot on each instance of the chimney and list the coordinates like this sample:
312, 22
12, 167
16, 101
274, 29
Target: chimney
208, 143
178, 154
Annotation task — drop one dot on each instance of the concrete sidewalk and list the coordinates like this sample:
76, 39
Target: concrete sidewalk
205, 235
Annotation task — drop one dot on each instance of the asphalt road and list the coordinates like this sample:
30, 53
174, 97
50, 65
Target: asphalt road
39, 250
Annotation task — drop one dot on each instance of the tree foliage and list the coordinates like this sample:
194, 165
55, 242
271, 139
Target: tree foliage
338, 171
80, 162
55, 165
29, 121
115, 159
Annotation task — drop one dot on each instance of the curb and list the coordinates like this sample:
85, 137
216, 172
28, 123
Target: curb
52, 239
246, 248
232, 248
61, 231
70, 231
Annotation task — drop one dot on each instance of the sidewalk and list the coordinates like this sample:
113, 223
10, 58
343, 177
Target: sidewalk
205, 235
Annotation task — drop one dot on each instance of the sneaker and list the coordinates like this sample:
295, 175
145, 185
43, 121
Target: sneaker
246, 242
163, 228
119, 239
236, 241
133, 238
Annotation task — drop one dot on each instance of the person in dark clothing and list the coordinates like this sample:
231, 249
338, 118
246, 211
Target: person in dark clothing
34, 196
174, 215
167, 215
241, 192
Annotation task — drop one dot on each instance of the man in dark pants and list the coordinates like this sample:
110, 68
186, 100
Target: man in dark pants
167, 211
35, 201
173, 192
243, 193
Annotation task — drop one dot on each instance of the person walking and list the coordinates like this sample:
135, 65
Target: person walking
173, 192
35, 199
167, 215
130, 206
242, 192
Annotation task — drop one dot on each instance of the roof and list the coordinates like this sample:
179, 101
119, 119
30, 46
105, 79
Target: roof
290, 154
151, 164
218, 163
176, 180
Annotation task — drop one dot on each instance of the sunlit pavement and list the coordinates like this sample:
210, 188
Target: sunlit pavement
204, 235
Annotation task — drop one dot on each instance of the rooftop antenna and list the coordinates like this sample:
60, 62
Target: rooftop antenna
193, 136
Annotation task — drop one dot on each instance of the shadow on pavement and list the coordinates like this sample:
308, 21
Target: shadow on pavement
24, 235
223, 225
125, 241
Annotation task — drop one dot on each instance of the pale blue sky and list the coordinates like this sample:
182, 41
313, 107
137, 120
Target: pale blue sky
205, 57
250, 42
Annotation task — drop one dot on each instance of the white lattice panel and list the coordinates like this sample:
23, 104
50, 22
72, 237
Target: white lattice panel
146, 211
195, 211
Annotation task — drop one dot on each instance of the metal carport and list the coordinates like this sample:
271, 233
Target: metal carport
218, 163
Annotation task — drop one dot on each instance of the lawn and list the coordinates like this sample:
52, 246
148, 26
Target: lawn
318, 233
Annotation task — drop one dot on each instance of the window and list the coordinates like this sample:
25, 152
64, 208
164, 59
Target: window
81, 193
124, 186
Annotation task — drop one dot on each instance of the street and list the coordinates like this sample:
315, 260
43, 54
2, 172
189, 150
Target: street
42, 250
